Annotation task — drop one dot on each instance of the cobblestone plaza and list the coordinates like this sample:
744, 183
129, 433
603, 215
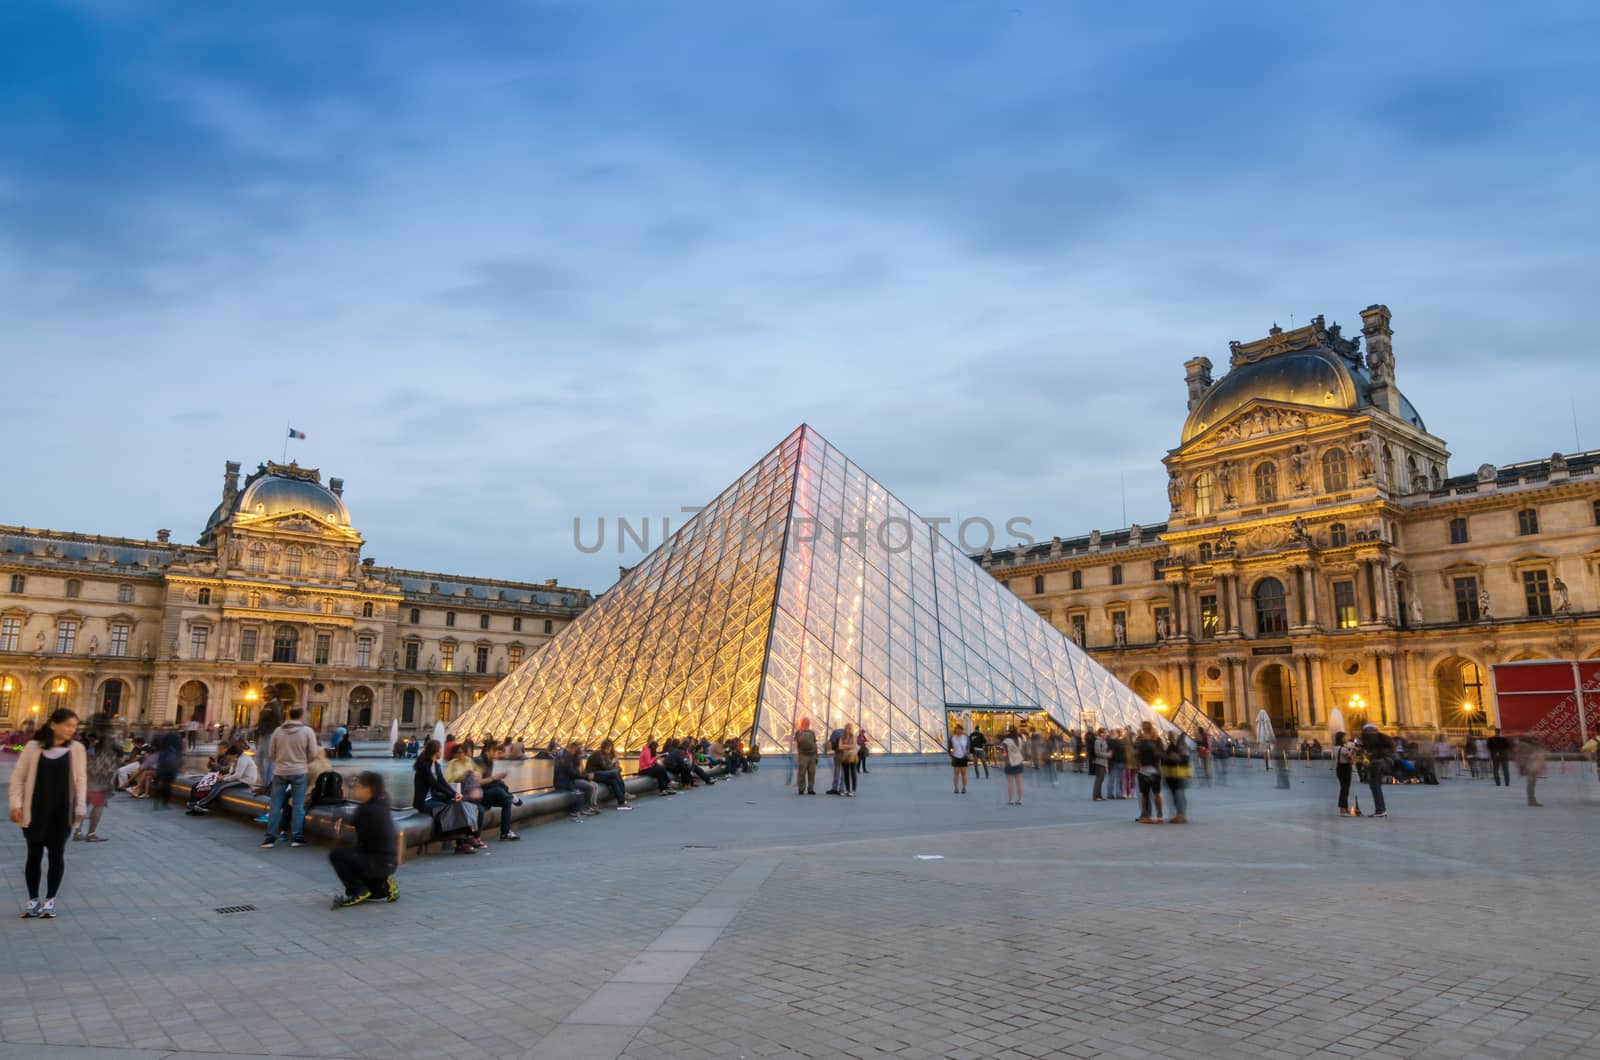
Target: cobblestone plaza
739, 921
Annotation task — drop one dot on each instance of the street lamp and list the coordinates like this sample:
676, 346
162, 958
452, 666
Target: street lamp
1358, 705
1159, 705
1469, 708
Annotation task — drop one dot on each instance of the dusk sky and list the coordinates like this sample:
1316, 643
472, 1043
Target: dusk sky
508, 264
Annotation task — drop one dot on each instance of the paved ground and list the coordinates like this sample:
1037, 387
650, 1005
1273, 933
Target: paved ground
743, 921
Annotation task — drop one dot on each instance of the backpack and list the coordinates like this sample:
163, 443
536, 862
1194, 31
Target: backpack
329, 788
805, 741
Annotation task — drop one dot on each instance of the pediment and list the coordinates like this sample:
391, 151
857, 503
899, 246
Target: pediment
296, 523
1259, 419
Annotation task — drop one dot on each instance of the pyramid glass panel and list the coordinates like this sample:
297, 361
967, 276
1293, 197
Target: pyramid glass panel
805, 590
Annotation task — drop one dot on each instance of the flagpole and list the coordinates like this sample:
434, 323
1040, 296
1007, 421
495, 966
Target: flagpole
285, 459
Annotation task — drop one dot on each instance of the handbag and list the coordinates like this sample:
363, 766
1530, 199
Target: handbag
457, 817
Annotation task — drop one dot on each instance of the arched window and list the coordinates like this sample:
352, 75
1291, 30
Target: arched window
284, 643
10, 695
1434, 479
1335, 471
293, 560
60, 691
1388, 467
330, 564
447, 705
1272, 611
1414, 480
258, 556
1203, 491
1266, 482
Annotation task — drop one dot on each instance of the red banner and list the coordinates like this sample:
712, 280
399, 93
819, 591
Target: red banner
1542, 698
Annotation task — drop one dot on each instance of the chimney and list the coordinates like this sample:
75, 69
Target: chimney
337, 486
164, 536
230, 486
1380, 358
1198, 375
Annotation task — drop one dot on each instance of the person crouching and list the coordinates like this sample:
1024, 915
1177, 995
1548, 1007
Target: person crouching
367, 869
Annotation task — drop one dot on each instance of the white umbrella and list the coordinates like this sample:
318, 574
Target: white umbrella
1335, 723
1264, 733
394, 731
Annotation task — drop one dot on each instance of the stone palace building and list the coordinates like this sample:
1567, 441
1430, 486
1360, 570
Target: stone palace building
273, 602
1320, 554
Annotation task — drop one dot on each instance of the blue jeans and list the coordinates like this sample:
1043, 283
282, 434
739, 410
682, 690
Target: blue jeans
296, 786
612, 778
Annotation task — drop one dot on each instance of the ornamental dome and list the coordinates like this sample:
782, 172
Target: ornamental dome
275, 494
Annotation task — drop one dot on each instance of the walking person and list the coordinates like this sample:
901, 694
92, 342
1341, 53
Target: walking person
102, 778
978, 751
833, 750
1099, 759
1441, 756
1378, 750
294, 746
1497, 749
1531, 754
266, 725
805, 759
960, 749
1117, 763
1175, 773
48, 796
1012, 764
1343, 767
848, 750
1148, 754
367, 869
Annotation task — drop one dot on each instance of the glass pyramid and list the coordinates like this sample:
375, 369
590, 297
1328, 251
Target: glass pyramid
805, 589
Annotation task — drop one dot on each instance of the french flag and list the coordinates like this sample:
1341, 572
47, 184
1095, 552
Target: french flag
297, 434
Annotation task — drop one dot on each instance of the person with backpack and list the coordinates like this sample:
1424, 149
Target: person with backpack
1118, 764
294, 747
367, 869
805, 759
266, 725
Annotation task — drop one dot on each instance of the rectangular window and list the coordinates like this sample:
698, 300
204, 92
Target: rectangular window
1536, 587
247, 645
205, 596
1077, 579
516, 624
447, 657
324, 649
1467, 599
366, 609
363, 651
1597, 513
549, 626
483, 660
1527, 522
124, 594
1458, 531
1080, 630
19, 583
119, 641
1344, 605
416, 615
66, 636
483, 621
285, 645
514, 657
10, 633
411, 654
449, 618
1210, 617
198, 636
1336, 535
1038, 583
1116, 574
74, 588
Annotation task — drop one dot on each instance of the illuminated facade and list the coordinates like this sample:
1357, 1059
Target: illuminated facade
1318, 553
273, 602
805, 590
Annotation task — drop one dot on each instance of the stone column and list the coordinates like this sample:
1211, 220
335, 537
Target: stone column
1403, 714
1310, 690
1301, 613
1311, 596
1379, 664
1175, 624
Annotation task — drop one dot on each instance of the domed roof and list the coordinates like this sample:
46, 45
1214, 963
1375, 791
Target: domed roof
279, 494
1314, 377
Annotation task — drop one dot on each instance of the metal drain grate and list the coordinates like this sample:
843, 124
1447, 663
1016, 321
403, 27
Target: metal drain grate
226, 909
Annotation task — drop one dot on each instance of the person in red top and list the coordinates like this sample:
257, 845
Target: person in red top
650, 767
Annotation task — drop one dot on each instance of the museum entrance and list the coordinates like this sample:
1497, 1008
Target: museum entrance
994, 721
1275, 695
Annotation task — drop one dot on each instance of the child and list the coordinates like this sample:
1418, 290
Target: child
368, 867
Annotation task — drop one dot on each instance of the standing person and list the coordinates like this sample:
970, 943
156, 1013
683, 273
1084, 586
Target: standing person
1148, 753
1343, 767
848, 749
978, 753
1441, 756
102, 778
1077, 751
805, 759
1052, 753
1012, 765
368, 867
266, 725
191, 732
1379, 752
960, 749
294, 747
1118, 763
1037, 751
1202, 751
1099, 759
833, 750
1498, 750
48, 796
169, 757
862, 750
1531, 754
1175, 774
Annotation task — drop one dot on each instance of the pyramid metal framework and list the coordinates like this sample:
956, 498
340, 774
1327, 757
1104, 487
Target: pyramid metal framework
805, 590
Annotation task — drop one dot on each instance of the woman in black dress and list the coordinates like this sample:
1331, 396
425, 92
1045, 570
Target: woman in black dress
48, 796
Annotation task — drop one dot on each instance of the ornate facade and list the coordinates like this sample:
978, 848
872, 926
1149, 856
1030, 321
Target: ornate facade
274, 602
1318, 553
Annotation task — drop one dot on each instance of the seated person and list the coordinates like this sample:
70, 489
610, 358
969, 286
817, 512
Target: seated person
570, 778
650, 766
681, 764
399, 748
486, 789
513, 751
238, 771
431, 793
737, 763
605, 769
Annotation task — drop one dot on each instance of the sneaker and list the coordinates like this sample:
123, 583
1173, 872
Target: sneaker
76, 836
30, 910
1381, 813
345, 901
92, 838
466, 848
48, 910
478, 842
391, 890
664, 794
196, 812
575, 817
849, 794
510, 837
625, 806
263, 819
516, 800
298, 841
592, 811
831, 791
268, 843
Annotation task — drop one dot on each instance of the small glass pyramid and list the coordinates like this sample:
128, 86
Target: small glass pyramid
805, 590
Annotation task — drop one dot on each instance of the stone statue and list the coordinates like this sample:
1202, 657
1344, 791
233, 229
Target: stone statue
988, 558
1175, 491
1055, 547
1119, 633
1161, 627
1562, 601
1298, 463
1380, 363
1485, 613
1298, 530
1094, 539
39, 642
1416, 611
1135, 534
94, 643
1224, 541
1486, 472
1227, 478
1558, 462
1366, 460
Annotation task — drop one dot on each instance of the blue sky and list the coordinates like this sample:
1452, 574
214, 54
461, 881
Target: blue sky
512, 263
